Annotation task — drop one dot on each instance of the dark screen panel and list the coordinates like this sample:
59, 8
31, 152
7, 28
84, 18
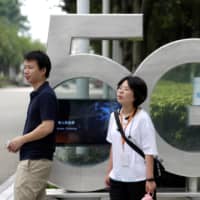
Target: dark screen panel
83, 122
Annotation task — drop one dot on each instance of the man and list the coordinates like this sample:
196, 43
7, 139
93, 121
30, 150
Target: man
37, 144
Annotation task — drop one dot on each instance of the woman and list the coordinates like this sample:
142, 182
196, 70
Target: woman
129, 176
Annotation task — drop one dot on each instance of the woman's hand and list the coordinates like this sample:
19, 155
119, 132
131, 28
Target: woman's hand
150, 182
107, 181
150, 186
107, 178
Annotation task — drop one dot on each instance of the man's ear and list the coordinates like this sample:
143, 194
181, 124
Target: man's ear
43, 70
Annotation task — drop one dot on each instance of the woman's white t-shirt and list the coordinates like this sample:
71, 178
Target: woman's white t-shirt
128, 165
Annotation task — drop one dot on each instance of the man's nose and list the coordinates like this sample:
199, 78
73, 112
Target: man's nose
25, 71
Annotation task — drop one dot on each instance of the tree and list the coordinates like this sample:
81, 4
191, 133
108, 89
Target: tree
170, 20
9, 48
10, 10
27, 44
12, 44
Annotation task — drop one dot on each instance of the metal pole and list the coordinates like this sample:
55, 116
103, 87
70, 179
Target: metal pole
82, 84
105, 45
116, 51
192, 184
82, 46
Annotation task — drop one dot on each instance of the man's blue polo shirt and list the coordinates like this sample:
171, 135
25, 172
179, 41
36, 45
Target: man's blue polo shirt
43, 106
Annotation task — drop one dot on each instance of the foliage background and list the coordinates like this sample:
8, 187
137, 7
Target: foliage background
13, 40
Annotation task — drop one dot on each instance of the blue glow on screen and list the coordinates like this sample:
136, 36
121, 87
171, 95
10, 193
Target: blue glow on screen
83, 121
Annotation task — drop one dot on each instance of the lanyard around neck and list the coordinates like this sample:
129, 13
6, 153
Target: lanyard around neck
126, 125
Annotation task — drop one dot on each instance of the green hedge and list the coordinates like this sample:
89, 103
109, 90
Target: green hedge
168, 109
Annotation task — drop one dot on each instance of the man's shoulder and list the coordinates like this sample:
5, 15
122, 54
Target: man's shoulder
47, 91
48, 95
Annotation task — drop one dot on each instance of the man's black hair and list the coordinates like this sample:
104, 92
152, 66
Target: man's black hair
42, 60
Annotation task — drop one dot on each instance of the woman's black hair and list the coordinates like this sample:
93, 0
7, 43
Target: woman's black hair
138, 86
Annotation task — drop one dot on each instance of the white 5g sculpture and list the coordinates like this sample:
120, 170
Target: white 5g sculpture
65, 66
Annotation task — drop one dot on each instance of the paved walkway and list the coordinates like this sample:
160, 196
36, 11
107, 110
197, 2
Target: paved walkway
6, 189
